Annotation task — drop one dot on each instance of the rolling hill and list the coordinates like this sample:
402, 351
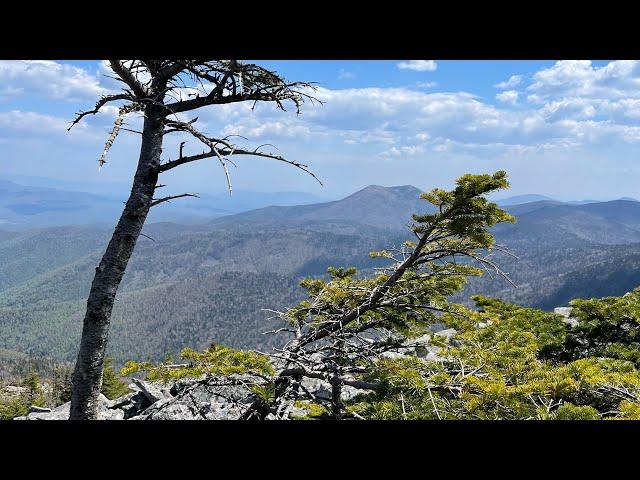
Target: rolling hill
29, 206
387, 208
188, 285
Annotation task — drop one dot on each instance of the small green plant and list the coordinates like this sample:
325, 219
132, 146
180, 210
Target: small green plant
216, 360
112, 385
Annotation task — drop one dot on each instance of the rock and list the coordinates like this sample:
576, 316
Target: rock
151, 391
566, 313
447, 334
62, 412
348, 392
422, 340
319, 389
428, 352
433, 357
132, 404
437, 326
110, 414
208, 399
393, 355
58, 413
168, 410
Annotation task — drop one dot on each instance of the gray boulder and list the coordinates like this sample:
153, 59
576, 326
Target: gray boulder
203, 399
62, 412
153, 392
132, 404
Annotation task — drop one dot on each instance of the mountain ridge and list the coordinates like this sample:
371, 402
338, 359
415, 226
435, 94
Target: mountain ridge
562, 249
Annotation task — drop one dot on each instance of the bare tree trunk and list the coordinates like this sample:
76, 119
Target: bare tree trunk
336, 391
87, 377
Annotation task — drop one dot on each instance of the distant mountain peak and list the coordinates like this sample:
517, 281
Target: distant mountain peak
397, 190
374, 205
526, 198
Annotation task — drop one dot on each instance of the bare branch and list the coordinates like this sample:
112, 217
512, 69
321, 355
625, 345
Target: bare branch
172, 197
127, 76
99, 104
147, 236
256, 84
228, 149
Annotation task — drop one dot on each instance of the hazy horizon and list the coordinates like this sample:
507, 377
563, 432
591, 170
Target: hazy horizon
104, 189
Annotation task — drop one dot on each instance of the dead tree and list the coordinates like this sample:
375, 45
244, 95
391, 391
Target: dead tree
164, 92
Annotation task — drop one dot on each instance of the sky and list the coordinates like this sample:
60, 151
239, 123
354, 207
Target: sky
566, 129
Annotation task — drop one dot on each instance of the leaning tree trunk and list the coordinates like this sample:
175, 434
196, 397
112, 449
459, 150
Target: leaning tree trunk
87, 377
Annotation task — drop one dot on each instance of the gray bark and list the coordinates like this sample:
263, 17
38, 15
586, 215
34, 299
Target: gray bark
336, 390
87, 377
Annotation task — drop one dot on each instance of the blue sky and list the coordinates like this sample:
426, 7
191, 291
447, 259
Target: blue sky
567, 129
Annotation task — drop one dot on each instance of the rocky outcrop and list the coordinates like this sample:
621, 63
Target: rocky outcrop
213, 398
105, 412
150, 390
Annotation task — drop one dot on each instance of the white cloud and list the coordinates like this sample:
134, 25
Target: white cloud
400, 109
399, 116
418, 65
405, 150
265, 130
17, 122
443, 147
508, 96
426, 84
512, 82
580, 78
345, 75
50, 79
378, 136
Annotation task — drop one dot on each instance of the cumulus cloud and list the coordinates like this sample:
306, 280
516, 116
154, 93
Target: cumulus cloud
444, 120
418, 65
513, 81
580, 78
567, 105
266, 130
508, 96
404, 150
17, 122
50, 79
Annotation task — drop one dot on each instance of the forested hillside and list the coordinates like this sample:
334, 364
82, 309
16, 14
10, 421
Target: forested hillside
182, 288
190, 284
